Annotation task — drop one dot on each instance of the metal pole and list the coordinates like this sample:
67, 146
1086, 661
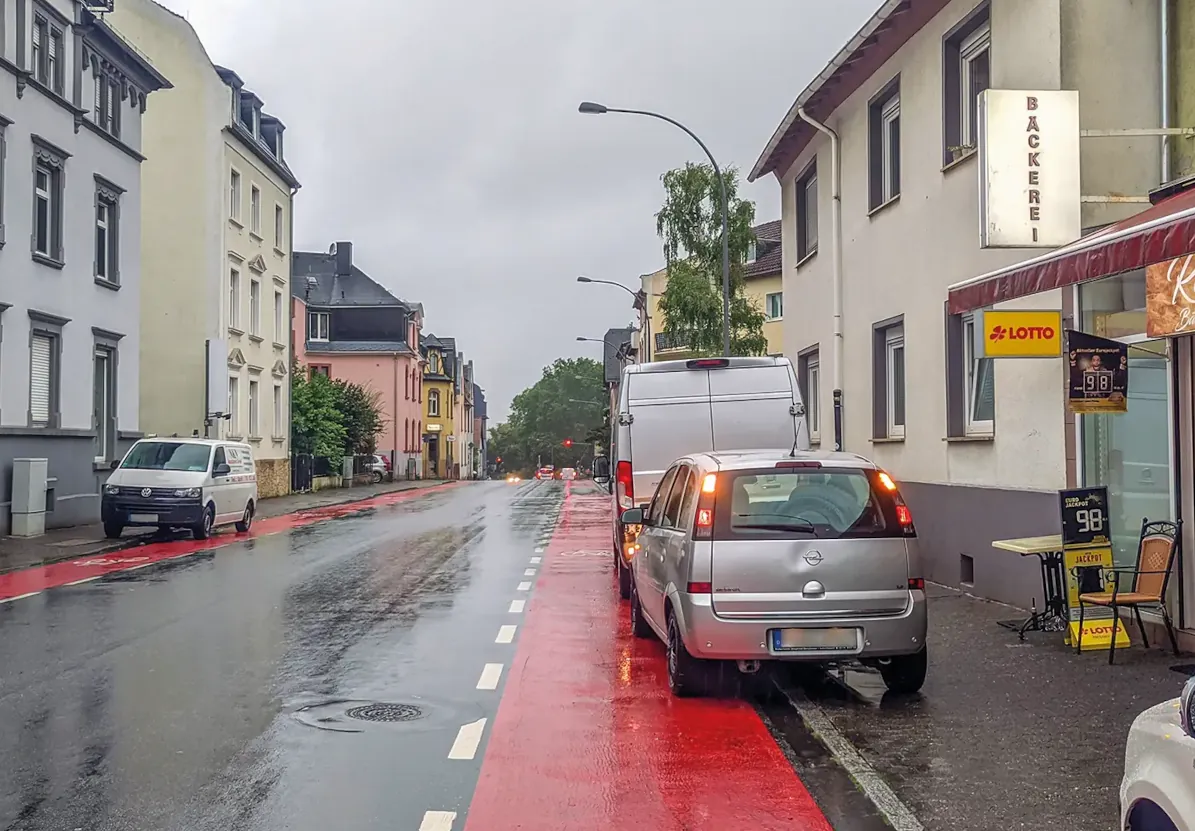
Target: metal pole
725, 218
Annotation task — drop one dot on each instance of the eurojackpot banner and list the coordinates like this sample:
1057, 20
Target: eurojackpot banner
1018, 334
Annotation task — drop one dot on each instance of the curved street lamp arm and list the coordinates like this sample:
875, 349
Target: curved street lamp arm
627, 289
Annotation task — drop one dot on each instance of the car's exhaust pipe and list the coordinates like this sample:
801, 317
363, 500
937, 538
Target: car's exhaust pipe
748, 667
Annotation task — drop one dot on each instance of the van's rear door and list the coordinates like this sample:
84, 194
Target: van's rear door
670, 418
752, 408
811, 543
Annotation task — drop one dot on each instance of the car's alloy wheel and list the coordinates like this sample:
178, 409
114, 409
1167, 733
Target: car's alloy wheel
247, 521
639, 625
685, 673
204, 529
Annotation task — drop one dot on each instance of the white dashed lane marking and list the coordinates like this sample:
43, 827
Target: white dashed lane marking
536, 560
525, 586
467, 740
21, 597
517, 606
84, 580
438, 821
530, 572
490, 677
506, 633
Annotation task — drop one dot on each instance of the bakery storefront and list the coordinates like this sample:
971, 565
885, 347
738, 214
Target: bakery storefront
1132, 282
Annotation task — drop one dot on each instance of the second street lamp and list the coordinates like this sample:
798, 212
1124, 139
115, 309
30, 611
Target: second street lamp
591, 108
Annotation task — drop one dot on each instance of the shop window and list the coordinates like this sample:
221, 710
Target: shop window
888, 379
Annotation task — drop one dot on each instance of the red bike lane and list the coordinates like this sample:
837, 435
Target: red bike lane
587, 735
31, 581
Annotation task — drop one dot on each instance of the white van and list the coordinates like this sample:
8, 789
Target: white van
670, 409
181, 483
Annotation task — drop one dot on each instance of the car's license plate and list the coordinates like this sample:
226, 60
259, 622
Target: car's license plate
814, 640
143, 517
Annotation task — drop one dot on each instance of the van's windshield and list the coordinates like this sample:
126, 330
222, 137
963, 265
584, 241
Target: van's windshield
167, 455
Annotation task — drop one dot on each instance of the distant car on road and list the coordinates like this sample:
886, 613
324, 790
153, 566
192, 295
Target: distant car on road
779, 556
544, 473
568, 474
1158, 789
512, 478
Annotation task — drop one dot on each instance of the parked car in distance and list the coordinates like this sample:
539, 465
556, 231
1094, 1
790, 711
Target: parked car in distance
763, 556
1157, 792
198, 484
667, 409
379, 466
568, 474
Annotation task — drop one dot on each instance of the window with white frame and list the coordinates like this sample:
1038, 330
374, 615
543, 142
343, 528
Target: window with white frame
234, 406
279, 317
752, 252
433, 403
48, 53
279, 418
255, 307
279, 226
255, 209
967, 62
884, 124
254, 400
981, 393
806, 186
48, 169
234, 299
3, 155
810, 376
774, 305
234, 195
43, 379
107, 105
317, 326
107, 236
894, 365
103, 400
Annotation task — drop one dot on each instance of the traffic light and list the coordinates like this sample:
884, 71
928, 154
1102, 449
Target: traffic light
498, 460
568, 442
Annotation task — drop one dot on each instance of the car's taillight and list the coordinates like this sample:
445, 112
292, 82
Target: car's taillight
707, 363
916, 584
703, 524
700, 588
903, 515
624, 490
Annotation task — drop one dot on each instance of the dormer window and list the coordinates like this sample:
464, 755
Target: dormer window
752, 250
433, 363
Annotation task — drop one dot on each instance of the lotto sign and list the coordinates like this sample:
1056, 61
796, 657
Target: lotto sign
1018, 334
1084, 518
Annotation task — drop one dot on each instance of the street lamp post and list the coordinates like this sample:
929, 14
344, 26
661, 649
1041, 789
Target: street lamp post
590, 108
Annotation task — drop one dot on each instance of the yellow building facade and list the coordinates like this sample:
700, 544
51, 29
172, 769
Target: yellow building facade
441, 456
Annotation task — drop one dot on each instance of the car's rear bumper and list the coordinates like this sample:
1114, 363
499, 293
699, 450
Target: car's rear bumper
708, 636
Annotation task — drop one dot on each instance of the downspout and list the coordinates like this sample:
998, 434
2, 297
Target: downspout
290, 342
1164, 35
836, 266
394, 427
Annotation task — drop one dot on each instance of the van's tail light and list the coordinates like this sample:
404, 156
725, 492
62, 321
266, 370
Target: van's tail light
624, 486
703, 524
700, 588
707, 363
916, 584
903, 515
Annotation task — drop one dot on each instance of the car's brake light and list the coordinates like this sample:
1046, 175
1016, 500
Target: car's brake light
705, 518
798, 464
903, 516
916, 584
708, 363
624, 486
700, 588
703, 524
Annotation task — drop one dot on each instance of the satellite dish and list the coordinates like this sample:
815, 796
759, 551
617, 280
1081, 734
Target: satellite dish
332, 249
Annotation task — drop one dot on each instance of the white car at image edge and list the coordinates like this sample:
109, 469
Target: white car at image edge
1158, 789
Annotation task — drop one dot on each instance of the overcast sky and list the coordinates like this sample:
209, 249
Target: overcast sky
443, 139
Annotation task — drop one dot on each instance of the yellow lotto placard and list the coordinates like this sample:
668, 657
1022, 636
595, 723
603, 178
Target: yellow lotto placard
1098, 633
1097, 620
1019, 334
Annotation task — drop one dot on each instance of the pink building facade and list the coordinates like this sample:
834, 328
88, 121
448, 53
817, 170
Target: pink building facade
349, 328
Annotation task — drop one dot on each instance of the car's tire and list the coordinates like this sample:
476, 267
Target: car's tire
204, 529
905, 674
686, 674
246, 522
624, 579
377, 477
113, 530
640, 628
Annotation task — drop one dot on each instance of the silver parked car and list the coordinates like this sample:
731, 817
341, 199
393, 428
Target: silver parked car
779, 556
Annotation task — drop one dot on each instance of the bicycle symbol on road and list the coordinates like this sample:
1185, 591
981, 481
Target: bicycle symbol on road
113, 561
588, 552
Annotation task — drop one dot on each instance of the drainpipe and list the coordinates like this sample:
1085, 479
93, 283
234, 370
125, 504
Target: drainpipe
836, 263
1164, 35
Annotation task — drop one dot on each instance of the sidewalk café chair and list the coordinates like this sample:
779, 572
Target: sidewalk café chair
1156, 553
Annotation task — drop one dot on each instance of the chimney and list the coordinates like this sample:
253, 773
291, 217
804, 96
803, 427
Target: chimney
344, 259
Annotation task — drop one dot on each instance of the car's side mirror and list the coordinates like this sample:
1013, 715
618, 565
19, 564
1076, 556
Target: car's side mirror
114, 465
601, 469
634, 516
221, 470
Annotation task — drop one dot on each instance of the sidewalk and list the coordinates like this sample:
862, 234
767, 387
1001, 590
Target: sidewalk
86, 540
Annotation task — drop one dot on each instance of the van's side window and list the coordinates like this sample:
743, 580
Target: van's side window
680, 485
655, 511
219, 459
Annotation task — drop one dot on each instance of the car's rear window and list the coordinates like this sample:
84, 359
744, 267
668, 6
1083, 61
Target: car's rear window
822, 503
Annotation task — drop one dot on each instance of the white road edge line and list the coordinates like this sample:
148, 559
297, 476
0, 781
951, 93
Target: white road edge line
528, 572
869, 781
516, 606
536, 560
506, 633
18, 597
524, 586
539, 551
438, 821
467, 740
490, 676
84, 580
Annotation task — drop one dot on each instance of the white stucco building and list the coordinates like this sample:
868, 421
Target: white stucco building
73, 96
980, 446
217, 247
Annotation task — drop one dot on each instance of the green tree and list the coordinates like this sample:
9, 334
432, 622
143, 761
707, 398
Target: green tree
690, 225
361, 415
567, 403
316, 425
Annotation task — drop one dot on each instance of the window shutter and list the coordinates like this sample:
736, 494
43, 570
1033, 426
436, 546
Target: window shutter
41, 350
99, 101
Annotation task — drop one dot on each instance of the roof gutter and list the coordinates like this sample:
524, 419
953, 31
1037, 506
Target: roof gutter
836, 264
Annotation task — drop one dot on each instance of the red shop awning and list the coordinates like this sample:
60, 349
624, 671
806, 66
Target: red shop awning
1159, 233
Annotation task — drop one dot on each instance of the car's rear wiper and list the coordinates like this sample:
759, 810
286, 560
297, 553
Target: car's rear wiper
793, 525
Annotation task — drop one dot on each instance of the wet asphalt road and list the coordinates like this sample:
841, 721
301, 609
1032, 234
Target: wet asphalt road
210, 693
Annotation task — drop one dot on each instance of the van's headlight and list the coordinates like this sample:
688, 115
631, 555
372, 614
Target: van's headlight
1186, 706
112, 490
187, 492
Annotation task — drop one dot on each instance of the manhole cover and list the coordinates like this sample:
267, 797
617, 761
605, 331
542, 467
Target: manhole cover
385, 712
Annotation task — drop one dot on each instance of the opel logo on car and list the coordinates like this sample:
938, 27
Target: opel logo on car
813, 557
149, 492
